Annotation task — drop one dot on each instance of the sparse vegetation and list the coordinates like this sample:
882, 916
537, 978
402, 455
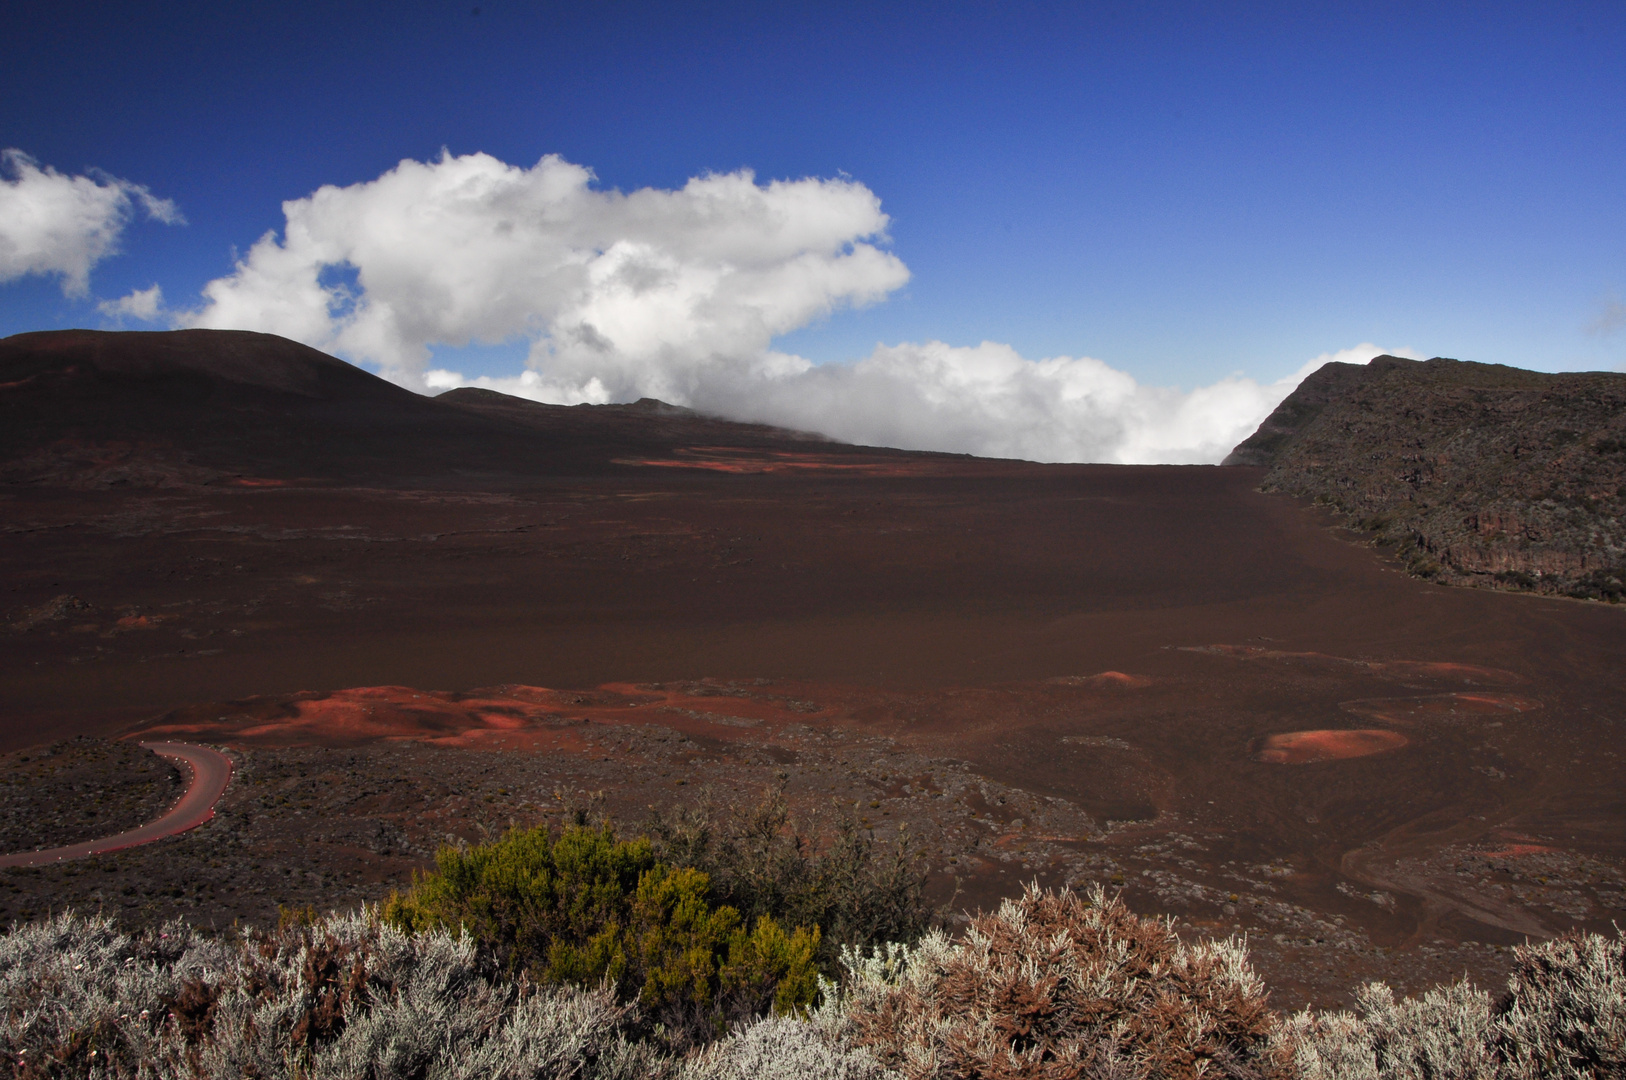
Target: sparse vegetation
856, 893
1563, 1017
1051, 985
1059, 984
347, 996
586, 909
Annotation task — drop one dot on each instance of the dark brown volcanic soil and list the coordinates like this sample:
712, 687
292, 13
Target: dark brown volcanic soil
1156, 677
81, 789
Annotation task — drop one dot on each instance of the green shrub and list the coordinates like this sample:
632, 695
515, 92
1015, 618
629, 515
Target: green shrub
586, 908
856, 892
532, 903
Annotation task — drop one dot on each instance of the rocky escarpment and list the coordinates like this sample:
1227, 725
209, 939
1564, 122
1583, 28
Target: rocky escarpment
1474, 474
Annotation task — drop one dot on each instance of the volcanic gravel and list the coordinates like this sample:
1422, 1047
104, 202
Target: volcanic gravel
81, 789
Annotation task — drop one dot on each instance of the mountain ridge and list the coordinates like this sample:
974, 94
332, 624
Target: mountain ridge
1473, 474
168, 408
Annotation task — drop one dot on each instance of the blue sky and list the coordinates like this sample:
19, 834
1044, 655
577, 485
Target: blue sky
1181, 191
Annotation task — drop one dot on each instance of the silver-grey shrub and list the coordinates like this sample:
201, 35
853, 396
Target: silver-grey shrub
348, 996
783, 1048
1563, 1018
83, 999
343, 997
1443, 1035
352, 997
1564, 1015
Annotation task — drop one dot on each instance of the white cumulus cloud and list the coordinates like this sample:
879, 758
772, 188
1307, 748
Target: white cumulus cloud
146, 304
986, 400
51, 223
679, 294
643, 292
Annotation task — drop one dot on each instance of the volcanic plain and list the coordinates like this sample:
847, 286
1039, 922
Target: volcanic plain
417, 621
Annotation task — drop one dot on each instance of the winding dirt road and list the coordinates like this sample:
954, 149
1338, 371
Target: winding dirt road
210, 772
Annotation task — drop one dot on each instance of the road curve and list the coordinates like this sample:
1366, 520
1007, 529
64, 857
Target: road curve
210, 771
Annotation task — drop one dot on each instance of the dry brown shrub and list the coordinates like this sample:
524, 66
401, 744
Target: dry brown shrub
1058, 985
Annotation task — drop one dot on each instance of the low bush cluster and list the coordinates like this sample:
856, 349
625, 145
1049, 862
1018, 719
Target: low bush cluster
586, 909
1562, 1017
587, 957
1058, 985
856, 892
342, 997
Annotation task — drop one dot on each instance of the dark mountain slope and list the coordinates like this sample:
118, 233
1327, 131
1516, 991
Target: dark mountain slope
1474, 473
83, 407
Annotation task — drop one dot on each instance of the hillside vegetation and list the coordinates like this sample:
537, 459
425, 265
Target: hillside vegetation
1474, 474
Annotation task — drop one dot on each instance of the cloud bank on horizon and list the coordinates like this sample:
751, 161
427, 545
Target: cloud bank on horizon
674, 294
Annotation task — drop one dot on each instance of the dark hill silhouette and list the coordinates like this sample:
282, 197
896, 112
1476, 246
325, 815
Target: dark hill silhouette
1475, 473
194, 406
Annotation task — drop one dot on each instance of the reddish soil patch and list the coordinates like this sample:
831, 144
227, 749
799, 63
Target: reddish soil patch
1113, 679
1440, 707
362, 715
1468, 674
530, 718
1515, 850
1305, 747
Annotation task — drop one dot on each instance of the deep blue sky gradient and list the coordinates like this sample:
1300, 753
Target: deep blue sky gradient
1180, 190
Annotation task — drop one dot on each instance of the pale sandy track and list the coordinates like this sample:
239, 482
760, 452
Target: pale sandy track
210, 773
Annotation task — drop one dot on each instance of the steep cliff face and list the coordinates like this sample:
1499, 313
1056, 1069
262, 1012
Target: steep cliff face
1475, 474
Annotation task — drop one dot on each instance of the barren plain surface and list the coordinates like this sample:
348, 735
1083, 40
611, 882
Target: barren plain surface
1154, 677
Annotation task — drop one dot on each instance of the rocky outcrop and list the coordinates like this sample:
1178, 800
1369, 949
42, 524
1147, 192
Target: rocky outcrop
1474, 474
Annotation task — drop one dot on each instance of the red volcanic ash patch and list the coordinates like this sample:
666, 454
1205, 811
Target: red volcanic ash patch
1112, 679
509, 717
1256, 652
1513, 851
1304, 747
357, 716
730, 459
1514, 844
1465, 674
1438, 707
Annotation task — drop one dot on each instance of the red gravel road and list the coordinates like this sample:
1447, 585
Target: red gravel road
210, 771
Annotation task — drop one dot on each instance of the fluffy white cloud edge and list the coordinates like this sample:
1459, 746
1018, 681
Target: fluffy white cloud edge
55, 224
985, 400
145, 304
618, 292
679, 295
